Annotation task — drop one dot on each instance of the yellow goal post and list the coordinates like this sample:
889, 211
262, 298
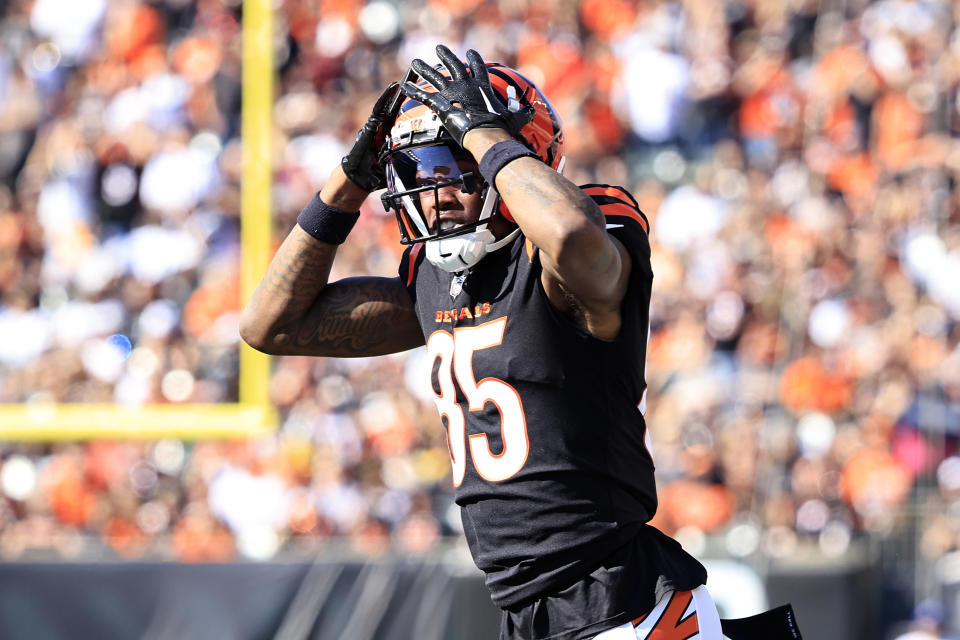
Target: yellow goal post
252, 415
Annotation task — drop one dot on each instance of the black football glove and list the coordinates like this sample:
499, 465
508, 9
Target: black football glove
464, 102
360, 165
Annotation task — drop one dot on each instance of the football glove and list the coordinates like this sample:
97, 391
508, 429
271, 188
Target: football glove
361, 165
464, 102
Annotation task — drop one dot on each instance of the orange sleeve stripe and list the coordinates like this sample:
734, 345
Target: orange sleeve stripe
414, 252
529, 246
625, 211
613, 192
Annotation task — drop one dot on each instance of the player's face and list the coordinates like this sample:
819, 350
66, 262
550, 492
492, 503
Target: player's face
451, 203
432, 186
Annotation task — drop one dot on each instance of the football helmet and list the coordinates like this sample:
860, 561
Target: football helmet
418, 155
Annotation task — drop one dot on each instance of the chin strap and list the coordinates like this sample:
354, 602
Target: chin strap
493, 246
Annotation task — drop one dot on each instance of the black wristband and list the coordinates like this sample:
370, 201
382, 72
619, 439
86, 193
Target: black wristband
325, 223
499, 155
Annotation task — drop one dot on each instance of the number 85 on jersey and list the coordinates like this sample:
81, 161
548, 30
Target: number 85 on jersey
455, 352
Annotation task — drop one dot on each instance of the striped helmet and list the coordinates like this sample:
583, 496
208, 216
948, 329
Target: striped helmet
417, 139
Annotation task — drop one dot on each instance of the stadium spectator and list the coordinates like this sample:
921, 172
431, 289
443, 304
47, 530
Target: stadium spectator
799, 170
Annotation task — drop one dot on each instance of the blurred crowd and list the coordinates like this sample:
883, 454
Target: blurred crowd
799, 170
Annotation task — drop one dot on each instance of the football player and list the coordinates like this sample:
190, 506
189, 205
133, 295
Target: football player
531, 295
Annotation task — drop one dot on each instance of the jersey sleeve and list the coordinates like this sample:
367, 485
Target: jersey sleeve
625, 221
409, 263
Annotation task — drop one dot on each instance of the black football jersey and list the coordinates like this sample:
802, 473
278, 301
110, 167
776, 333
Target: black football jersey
546, 438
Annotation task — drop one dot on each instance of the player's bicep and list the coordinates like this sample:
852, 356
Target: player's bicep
594, 278
599, 281
354, 317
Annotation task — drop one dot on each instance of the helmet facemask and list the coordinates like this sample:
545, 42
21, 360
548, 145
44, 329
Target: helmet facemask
419, 157
415, 177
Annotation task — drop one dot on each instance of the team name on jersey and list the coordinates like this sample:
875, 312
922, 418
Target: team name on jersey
452, 315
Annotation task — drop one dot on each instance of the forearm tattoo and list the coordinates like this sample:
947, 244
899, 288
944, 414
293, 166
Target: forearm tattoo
295, 276
297, 312
548, 189
356, 317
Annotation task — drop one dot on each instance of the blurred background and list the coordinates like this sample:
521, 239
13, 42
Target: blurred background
798, 162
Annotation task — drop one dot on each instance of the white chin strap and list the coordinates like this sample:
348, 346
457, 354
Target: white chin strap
462, 252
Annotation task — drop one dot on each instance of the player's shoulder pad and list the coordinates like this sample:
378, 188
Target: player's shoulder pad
618, 205
408, 263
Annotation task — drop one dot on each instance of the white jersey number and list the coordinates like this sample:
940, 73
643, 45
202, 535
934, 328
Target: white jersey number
456, 355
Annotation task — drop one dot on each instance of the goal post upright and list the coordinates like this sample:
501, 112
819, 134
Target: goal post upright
255, 226
253, 415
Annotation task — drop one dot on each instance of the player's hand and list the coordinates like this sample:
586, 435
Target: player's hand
361, 165
464, 102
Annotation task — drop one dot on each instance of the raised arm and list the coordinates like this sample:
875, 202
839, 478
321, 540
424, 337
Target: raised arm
585, 269
564, 223
294, 311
